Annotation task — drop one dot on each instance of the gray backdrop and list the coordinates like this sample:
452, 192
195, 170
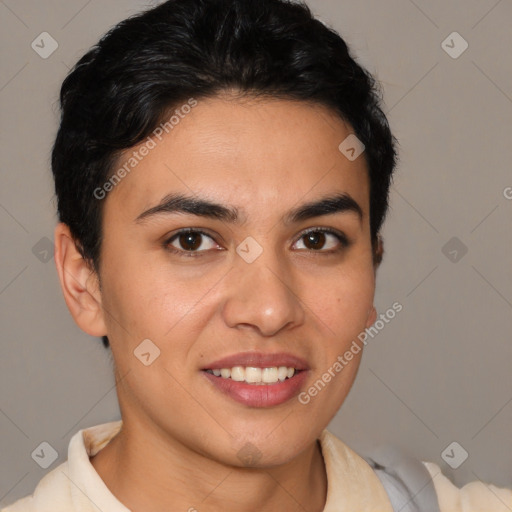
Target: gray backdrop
439, 373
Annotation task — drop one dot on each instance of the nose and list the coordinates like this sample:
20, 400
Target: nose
261, 296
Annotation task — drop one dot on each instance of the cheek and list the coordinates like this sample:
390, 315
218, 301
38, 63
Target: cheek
156, 301
341, 305
342, 302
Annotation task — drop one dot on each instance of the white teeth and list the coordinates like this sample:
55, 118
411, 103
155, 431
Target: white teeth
253, 375
238, 373
225, 373
269, 375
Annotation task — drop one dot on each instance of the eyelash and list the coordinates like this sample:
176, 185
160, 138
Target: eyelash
344, 242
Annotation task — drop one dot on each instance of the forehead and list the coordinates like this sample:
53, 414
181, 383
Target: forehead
262, 155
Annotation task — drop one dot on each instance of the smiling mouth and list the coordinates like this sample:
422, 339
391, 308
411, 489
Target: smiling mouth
254, 375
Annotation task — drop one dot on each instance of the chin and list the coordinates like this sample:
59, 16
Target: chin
264, 450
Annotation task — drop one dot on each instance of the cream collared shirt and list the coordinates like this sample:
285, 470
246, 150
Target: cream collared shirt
75, 486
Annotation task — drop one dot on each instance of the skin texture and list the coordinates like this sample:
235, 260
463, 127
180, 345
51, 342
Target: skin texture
180, 437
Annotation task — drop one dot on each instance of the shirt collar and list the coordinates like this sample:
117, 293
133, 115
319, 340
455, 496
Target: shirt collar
351, 482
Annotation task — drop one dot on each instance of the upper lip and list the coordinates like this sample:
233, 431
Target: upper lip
259, 360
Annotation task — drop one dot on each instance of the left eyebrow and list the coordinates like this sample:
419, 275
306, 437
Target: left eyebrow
179, 203
338, 203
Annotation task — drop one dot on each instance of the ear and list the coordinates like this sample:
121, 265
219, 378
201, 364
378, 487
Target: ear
377, 258
79, 283
378, 253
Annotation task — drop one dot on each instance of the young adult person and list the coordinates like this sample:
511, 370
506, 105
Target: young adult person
222, 171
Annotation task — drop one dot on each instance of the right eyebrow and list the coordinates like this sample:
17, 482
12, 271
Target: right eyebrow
180, 203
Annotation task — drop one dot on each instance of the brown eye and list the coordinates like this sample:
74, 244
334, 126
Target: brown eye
324, 240
314, 240
190, 241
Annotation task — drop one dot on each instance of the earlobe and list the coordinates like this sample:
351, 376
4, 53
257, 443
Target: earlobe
79, 283
372, 316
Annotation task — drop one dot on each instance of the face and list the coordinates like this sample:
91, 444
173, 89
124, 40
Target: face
251, 282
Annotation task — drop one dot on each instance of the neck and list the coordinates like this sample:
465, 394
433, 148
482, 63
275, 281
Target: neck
146, 473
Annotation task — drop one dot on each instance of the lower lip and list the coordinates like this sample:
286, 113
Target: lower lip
253, 395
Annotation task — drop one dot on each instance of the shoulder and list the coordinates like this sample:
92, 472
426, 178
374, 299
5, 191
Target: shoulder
74, 485
52, 494
417, 486
473, 497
